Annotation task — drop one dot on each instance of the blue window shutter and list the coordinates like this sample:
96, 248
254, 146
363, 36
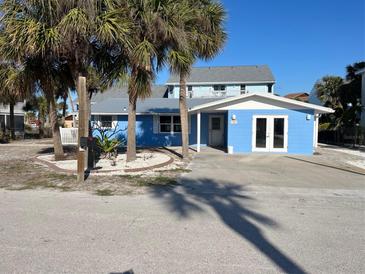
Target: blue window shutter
156, 121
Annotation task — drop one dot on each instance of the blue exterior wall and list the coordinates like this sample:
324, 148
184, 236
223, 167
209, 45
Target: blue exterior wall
145, 137
300, 130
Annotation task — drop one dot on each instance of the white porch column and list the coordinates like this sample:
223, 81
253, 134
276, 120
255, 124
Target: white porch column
315, 141
198, 132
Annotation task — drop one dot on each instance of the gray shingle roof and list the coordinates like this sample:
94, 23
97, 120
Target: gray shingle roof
122, 92
228, 74
150, 105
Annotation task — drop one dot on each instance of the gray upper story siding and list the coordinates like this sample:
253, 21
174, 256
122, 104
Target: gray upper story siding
208, 82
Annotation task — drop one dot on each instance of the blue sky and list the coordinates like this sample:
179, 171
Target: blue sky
300, 40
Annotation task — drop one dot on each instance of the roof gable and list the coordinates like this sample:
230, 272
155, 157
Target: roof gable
259, 101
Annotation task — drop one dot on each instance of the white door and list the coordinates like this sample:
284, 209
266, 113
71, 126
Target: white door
270, 133
216, 131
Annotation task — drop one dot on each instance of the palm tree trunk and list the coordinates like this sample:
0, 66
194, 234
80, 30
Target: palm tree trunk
12, 121
41, 126
184, 116
131, 142
56, 135
132, 105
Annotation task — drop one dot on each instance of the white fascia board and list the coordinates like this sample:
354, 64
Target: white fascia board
318, 109
139, 113
15, 113
221, 82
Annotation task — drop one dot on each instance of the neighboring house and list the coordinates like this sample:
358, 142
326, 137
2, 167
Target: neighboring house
362, 73
18, 117
224, 81
300, 96
69, 121
249, 122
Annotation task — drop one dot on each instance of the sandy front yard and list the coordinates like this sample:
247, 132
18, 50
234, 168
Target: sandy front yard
20, 171
146, 162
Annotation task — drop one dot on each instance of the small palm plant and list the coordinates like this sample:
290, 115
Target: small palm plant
108, 141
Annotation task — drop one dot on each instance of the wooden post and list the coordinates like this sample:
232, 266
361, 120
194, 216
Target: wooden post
82, 127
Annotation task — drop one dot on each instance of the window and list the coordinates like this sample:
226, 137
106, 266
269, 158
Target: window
106, 121
243, 89
190, 88
19, 122
219, 87
170, 124
216, 123
269, 87
2, 122
176, 123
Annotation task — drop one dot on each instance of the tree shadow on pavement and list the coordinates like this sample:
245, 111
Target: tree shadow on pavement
227, 201
125, 272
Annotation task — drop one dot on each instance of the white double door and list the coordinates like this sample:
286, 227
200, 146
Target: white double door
270, 133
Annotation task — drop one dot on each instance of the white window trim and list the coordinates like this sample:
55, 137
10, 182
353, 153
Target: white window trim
172, 132
114, 121
269, 130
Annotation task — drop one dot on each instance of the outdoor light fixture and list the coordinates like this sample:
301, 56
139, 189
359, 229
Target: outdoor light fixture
124, 109
308, 116
233, 119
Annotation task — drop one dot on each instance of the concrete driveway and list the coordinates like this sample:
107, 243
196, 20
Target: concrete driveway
231, 214
278, 170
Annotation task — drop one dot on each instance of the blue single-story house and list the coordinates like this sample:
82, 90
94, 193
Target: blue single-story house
253, 122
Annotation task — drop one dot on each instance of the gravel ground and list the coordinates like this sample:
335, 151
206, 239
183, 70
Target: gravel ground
347, 156
144, 160
19, 171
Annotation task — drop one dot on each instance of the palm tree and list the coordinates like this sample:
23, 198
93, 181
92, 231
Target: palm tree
204, 24
328, 92
38, 104
56, 32
156, 26
13, 89
29, 35
90, 29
